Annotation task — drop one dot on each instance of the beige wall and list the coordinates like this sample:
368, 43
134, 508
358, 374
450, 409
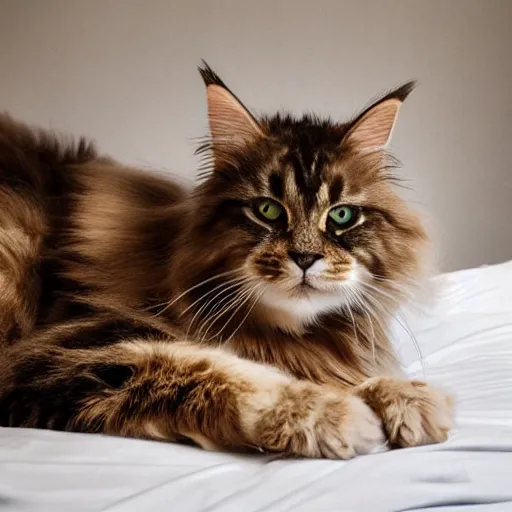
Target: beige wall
123, 71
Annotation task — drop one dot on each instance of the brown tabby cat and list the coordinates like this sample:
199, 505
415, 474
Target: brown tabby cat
251, 313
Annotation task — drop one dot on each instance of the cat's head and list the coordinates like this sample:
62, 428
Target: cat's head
302, 211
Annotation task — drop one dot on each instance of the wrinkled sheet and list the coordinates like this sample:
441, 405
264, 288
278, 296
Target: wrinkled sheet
466, 345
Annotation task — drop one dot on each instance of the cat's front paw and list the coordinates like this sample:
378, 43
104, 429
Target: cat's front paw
358, 431
413, 413
318, 422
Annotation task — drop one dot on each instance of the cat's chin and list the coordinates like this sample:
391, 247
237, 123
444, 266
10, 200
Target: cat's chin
294, 310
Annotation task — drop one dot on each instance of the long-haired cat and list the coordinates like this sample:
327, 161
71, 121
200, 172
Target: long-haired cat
249, 313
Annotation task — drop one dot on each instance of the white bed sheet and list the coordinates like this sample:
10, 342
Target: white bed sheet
466, 341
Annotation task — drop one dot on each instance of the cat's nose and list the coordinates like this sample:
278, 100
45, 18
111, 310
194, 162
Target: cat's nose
304, 259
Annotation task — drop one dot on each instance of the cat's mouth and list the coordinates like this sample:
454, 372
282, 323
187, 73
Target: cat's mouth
312, 289
304, 287
308, 286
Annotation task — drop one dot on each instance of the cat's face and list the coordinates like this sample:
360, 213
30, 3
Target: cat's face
319, 232
303, 209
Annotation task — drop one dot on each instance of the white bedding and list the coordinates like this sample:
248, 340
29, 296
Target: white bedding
466, 341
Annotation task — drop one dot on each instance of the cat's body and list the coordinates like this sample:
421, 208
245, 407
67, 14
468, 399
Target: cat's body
237, 315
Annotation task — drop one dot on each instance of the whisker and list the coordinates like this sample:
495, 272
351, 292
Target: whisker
382, 292
239, 301
406, 291
173, 301
227, 286
405, 327
237, 305
408, 330
229, 282
349, 310
374, 313
364, 306
234, 300
245, 317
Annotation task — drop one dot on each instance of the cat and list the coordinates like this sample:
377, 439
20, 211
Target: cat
251, 313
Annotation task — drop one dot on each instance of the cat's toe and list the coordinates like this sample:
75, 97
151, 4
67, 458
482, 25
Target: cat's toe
360, 432
413, 412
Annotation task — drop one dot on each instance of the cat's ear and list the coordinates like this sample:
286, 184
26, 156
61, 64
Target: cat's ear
232, 126
372, 129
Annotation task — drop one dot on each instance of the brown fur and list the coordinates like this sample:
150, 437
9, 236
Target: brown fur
118, 312
427, 421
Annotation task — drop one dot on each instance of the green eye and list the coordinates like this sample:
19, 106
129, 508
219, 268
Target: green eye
269, 209
342, 215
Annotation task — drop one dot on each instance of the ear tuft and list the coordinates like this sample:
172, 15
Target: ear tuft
232, 127
372, 129
209, 76
403, 91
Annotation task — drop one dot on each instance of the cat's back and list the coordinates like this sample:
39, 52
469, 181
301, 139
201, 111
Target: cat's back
72, 219
47, 166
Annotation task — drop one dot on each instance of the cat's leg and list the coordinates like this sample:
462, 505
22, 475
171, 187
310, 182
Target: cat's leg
171, 391
413, 412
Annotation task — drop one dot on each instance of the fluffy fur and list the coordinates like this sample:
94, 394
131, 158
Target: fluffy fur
132, 307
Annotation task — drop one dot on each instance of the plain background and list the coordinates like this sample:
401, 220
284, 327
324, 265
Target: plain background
124, 73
